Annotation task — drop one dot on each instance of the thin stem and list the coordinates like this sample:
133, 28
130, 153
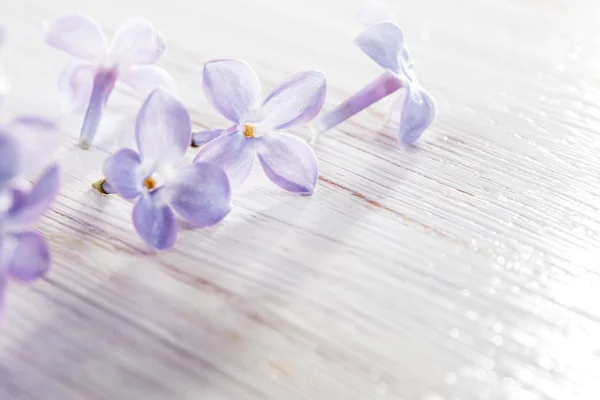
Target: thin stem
381, 87
103, 187
104, 81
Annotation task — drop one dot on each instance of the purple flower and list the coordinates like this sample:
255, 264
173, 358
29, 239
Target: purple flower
383, 42
233, 89
199, 192
88, 82
24, 253
26, 146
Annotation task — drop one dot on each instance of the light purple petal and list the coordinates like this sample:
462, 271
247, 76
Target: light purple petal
10, 159
29, 256
373, 13
289, 162
233, 152
418, 112
77, 34
29, 206
154, 221
201, 195
296, 100
163, 129
137, 42
202, 137
75, 84
232, 88
123, 173
146, 78
37, 139
383, 42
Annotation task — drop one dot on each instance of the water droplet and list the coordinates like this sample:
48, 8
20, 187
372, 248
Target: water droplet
382, 388
525, 375
455, 333
498, 341
450, 378
472, 315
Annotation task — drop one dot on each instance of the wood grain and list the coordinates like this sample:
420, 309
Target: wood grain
464, 267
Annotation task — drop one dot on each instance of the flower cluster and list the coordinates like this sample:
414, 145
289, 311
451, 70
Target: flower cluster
155, 175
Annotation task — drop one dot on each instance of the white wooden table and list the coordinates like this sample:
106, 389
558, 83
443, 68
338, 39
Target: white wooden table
465, 267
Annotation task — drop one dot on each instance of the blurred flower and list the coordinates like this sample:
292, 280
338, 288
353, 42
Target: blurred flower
24, 254
88, 82
232, 88
27, 144
383, 42
199, 192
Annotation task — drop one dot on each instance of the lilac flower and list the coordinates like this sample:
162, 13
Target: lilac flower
233, 89
24, 253
25, 147
383, 42
199, 193
88, 82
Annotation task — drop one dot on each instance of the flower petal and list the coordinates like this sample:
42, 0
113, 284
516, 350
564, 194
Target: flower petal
202, 137
232, 88
29, 257
31, 205
123, 173
296, 100
163, 129
373, 13
154, 221
137, 42
233, 152
201, 195
146, 78
289, 162
75, 84
383, 42
37, 140
10, 159
418, 112
77, 34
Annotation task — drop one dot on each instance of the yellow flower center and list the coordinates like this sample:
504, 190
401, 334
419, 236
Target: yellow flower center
150, 183
249, 131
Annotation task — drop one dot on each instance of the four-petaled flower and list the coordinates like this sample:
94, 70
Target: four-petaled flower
24, 253
383, 42
26, 147
198, 192
87, 83
232, 88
